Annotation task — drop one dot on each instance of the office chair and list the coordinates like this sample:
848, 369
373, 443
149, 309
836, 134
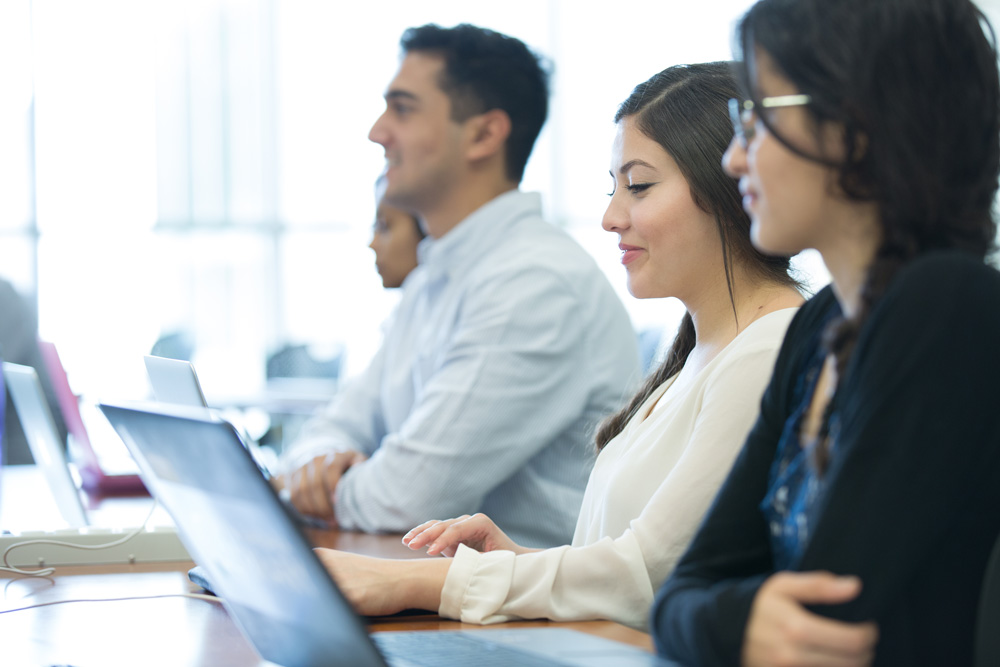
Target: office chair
987, 648
174, 345
296, 361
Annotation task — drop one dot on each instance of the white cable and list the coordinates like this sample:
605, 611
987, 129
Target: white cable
44, 572
196, 596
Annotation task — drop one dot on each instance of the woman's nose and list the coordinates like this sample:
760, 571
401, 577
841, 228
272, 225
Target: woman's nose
734, 160
614, 217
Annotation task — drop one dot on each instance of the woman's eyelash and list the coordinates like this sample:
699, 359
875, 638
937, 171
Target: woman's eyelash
634, 188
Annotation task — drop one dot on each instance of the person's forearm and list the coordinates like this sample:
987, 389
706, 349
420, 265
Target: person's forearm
422, 580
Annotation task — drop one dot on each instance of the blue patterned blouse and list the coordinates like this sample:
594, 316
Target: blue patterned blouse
793, 484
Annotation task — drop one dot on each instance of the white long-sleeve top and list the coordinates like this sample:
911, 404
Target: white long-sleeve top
507, 348
647, 494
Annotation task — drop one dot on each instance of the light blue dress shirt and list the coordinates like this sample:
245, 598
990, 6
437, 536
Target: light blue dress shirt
507, 348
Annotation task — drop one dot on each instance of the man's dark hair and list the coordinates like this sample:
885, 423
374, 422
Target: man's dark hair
486, 70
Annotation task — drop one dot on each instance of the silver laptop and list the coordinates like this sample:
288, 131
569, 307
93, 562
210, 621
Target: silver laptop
275, 588
44, 441
174, 381
154, 544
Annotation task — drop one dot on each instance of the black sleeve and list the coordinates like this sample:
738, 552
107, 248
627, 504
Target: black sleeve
920, 423
700, 612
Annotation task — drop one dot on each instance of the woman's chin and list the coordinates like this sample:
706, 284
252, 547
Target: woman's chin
640, 291
766, 241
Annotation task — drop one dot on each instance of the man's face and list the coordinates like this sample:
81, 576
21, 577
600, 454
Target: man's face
424, 147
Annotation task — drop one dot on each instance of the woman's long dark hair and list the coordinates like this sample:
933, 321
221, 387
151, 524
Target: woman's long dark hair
684, 109
914, 85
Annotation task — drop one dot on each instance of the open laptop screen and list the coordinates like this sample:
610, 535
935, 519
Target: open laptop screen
43, 440
103, 463
233, 524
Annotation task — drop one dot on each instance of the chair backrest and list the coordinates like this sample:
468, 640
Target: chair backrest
987, 649
174, 345
296, 361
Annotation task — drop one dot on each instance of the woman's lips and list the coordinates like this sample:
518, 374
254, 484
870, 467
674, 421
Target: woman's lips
629, 253
749, 196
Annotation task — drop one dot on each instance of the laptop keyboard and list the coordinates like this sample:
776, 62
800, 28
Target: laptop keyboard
447, 649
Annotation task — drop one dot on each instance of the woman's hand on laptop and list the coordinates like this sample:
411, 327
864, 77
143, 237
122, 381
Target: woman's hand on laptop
312, 487
378, 586
477, 532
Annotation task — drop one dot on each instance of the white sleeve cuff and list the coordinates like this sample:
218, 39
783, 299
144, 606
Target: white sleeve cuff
477, 585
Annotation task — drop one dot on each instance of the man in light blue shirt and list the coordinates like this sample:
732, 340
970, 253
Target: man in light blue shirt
508, 345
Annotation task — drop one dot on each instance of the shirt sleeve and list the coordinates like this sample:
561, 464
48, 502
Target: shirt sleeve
508, 382
915, 447
615, 578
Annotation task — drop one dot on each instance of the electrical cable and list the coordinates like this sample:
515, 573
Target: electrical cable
196, 596
44, 572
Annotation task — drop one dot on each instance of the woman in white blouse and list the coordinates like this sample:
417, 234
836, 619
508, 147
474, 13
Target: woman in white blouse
683, 233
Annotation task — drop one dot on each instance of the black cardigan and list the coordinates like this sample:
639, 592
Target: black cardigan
911, 503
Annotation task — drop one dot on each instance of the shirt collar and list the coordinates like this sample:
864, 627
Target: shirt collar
470, 239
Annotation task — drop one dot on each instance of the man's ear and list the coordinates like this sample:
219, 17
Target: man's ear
488, 134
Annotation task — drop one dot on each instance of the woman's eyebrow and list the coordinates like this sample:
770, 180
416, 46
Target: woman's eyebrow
634, 163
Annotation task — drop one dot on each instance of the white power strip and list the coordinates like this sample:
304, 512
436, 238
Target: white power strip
150, 545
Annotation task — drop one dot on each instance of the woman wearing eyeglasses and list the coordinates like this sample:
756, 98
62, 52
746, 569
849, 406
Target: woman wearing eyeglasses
856, 524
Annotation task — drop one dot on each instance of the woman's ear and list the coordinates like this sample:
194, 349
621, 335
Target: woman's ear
860, 147
839, 144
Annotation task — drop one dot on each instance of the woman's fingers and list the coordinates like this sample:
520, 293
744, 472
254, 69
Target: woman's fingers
429, 531
477, 531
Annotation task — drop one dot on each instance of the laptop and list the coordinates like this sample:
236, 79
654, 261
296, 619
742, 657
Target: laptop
174, 381
104, 464
149, 545
43, 439
275, 588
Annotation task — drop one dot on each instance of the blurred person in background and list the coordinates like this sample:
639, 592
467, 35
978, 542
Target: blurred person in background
395, 236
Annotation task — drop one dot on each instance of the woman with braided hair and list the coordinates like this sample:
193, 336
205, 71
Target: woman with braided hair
856, 524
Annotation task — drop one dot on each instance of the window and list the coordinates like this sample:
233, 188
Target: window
203, 167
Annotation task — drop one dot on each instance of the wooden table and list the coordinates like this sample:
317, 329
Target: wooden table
171, 630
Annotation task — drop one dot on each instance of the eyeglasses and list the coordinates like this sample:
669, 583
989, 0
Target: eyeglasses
742, 113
